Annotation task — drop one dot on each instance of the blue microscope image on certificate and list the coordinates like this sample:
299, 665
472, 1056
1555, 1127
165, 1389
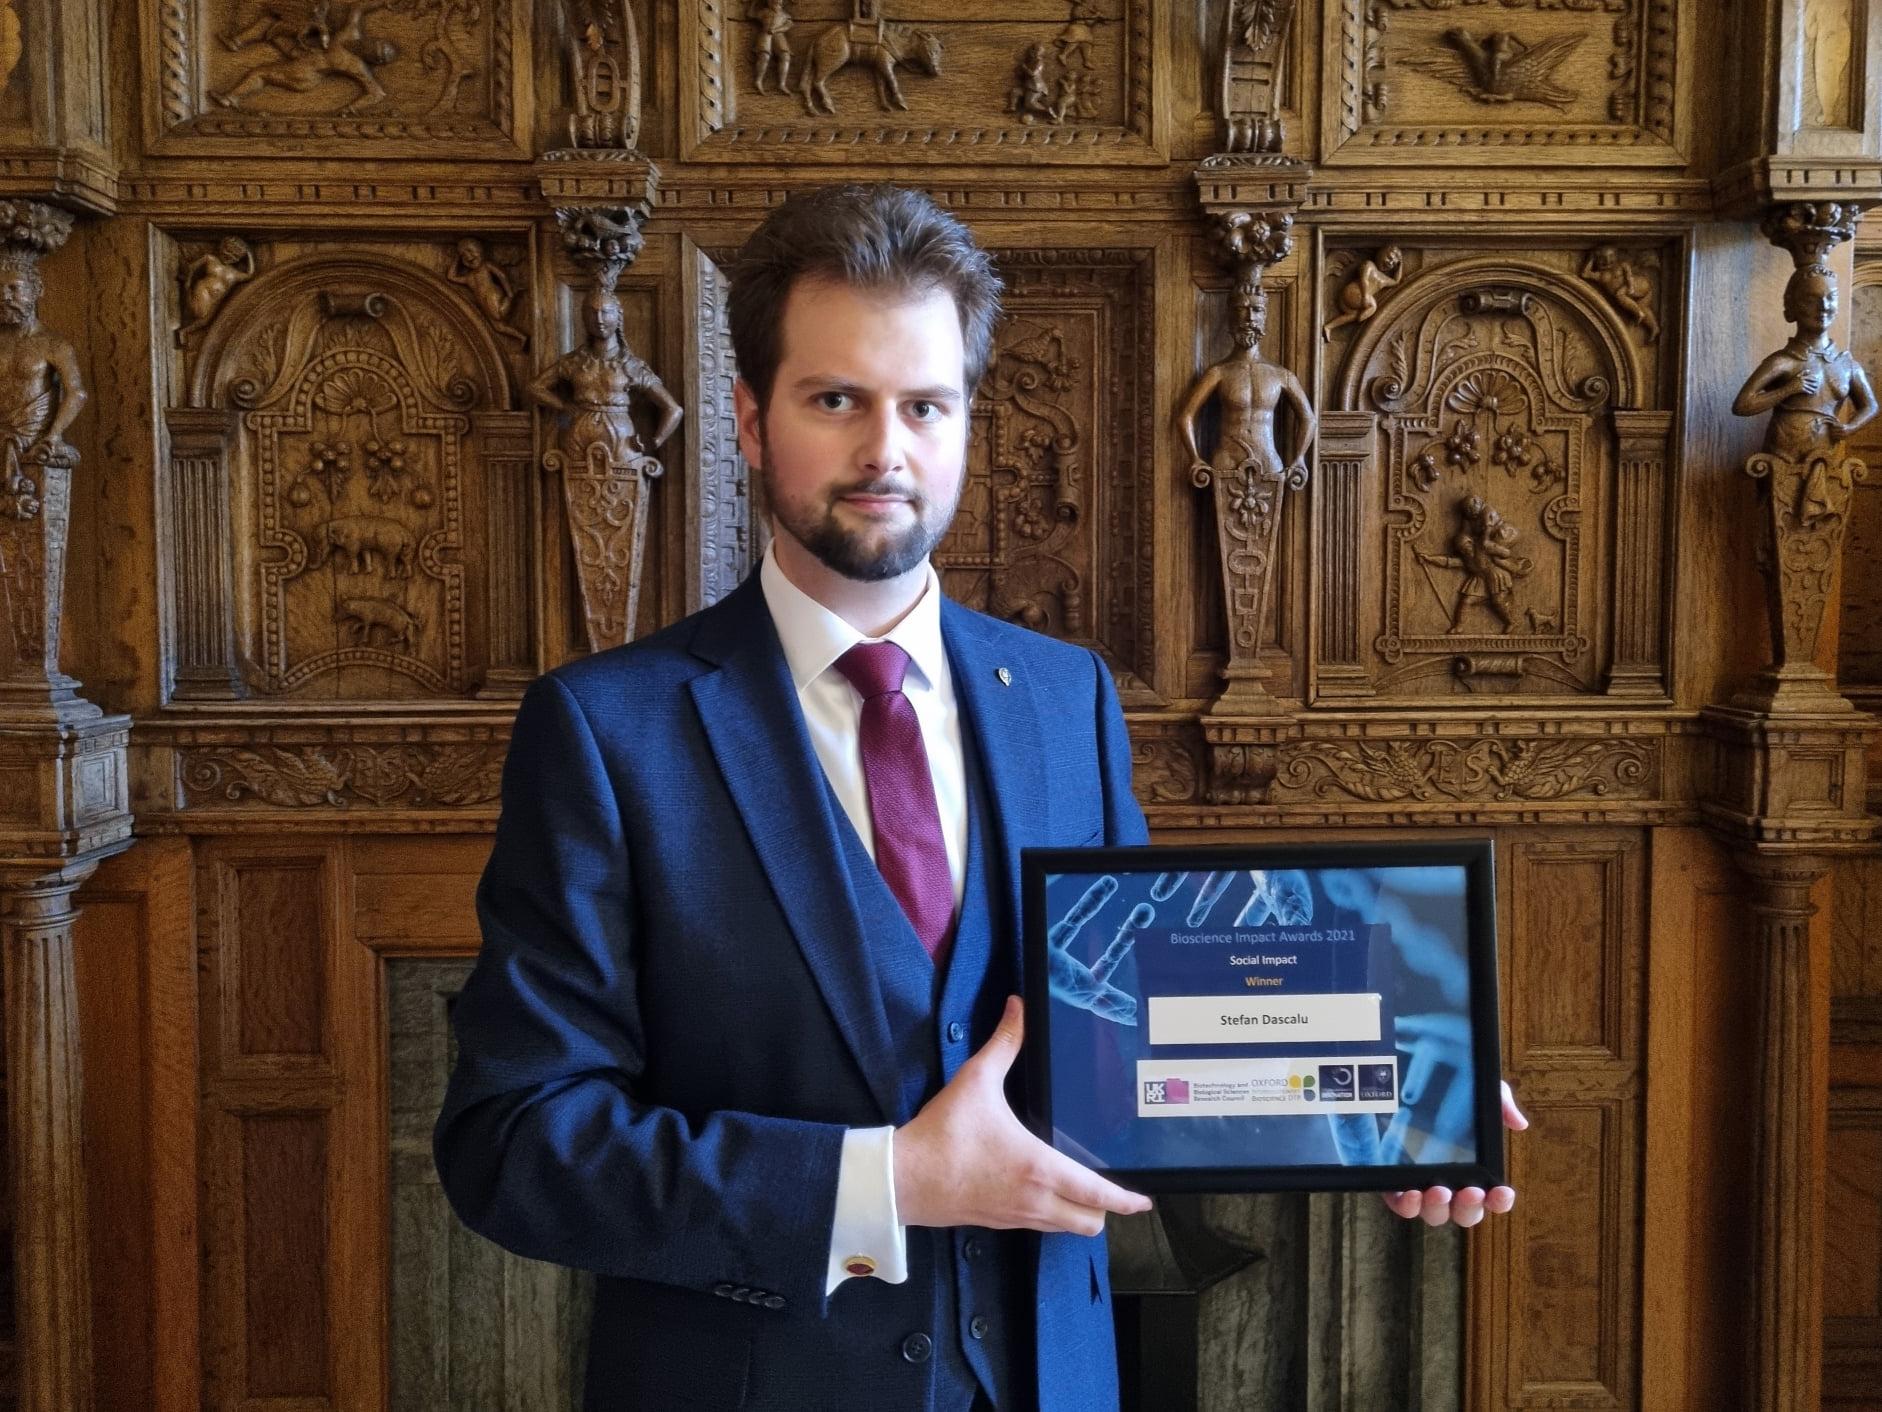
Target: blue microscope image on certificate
1280, 1017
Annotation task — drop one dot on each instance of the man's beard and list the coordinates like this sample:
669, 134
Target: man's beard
869, 555
15, 316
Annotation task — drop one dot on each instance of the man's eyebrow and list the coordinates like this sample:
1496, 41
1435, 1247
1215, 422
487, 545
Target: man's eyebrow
815, 382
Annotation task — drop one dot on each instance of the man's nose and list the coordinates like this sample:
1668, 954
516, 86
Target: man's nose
882, 449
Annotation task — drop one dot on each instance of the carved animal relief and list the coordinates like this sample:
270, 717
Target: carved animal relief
1526, 80
372, 70
931, 82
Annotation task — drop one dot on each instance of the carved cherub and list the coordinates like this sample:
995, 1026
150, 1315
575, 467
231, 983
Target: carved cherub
1030, 96
1074, 41
1485, 550
595, 384
769, 45
210, 277
1251, 391
40, 390
330, 39
1359, 300
1628, 289
489, 286
1808, 382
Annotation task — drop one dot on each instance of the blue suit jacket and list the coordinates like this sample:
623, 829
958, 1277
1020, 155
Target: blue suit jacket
673, 1019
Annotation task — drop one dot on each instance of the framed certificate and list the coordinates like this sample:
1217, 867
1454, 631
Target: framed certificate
1294, 1018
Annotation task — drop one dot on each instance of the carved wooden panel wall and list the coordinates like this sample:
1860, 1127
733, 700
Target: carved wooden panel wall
335, 270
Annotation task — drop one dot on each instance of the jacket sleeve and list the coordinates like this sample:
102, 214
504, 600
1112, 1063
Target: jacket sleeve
543, 1145
1123, 817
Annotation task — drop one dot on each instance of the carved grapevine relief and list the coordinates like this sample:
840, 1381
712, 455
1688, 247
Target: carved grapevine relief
1496, 770
335, 776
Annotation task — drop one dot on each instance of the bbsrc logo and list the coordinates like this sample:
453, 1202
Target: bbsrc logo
1166, 1090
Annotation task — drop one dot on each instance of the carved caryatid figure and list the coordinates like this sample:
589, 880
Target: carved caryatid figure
1250, 470
604, 469
1817, 395
40, 394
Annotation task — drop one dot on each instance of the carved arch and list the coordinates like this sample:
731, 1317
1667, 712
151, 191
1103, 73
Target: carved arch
278, 293
1413, 303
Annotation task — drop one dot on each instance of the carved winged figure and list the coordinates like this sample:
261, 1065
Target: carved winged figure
1500, 68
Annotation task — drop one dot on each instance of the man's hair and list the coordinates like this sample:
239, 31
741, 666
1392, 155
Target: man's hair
878, 238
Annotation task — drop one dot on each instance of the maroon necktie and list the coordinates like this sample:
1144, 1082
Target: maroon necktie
910, 852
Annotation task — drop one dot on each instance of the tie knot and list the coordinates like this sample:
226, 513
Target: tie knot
874, 668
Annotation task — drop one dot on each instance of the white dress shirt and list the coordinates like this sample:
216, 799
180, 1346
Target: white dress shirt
813, 638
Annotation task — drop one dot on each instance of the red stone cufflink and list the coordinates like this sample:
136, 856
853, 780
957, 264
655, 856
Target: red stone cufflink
858, 1265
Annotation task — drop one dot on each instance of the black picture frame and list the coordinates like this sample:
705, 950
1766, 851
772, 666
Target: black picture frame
1476, 856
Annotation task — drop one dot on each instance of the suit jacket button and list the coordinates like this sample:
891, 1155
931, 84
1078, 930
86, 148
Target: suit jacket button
957, 1032
972, 1248
774, 1301
978, 1326
916, 1348
723, 1291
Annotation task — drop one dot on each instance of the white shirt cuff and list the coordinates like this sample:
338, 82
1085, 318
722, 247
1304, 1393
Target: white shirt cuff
867, 1229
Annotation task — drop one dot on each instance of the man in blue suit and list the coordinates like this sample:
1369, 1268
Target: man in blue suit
741, 944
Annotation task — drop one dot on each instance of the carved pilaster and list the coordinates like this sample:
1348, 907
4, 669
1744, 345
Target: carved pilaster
1640, 554
510, 535
45, 1094
720, 513
1348, 445
199, 577
1793, 1052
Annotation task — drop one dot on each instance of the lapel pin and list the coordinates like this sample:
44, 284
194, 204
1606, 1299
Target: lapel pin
1006, 677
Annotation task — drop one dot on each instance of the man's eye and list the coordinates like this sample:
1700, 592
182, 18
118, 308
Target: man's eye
925, 411
833, 401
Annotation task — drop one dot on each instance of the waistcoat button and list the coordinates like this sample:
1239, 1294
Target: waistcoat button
917, 1347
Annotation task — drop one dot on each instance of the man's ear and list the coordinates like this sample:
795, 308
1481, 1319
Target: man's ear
750, 422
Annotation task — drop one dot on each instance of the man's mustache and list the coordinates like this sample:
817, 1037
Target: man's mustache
883, 486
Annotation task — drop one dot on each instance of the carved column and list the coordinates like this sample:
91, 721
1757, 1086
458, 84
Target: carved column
201, 591
1793, 1056
1348, 445
511, 516
1640, 554
45, 1093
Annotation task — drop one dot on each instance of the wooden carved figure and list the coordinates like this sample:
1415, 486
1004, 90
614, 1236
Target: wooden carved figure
1250, 471
1359, 300
771, 45
210, 277
313, 42
1817, 395
605, 471
488, 285
1626, 288
870, 39
40, 394
1484, 551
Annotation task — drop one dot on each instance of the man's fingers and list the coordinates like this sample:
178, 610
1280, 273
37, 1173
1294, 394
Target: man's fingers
1467, 1207
1512, 1115
1437, 1206
1002, 1046
1084, 1187
1403, 1204
1062, 1215
1500, 1199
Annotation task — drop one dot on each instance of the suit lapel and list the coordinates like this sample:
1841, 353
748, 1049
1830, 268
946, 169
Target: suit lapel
748, 709
1004, 719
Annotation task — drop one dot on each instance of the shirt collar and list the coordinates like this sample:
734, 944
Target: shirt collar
813, 637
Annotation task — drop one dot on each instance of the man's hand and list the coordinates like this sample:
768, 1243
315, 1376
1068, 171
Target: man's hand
1437, 1206
965, 1160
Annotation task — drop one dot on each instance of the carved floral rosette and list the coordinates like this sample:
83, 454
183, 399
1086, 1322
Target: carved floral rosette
35, 507
1807, 506
607, 504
